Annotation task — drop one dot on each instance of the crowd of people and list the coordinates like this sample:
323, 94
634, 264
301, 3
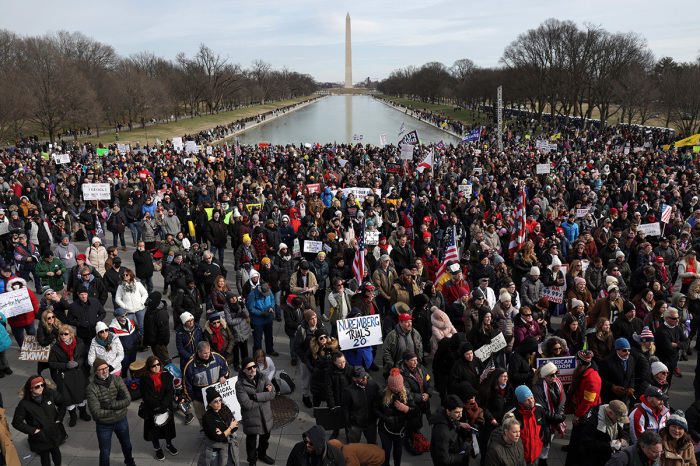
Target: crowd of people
483, 272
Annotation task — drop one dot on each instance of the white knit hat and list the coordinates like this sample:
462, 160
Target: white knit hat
555, 261
534, 270
576, 303
547, 369
657, 367
185, 316
100, 326
506, 296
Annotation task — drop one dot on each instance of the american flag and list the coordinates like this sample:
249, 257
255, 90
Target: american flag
358, 263
519, 232
487, 370
450, 254
666, 213
237, 149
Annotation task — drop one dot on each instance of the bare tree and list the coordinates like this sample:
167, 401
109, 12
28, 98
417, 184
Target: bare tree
261, 72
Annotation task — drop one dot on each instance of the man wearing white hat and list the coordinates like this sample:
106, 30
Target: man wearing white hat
532, 287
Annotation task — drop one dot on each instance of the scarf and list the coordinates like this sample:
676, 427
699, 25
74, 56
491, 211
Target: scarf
416, 375
69, 348
157, 382
129, 287
561, 428
106, 344
217, 338
471, 411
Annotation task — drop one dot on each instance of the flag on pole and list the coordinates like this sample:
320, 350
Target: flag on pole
519, 232
555, 137
691, 141
358, 263
666, 213
440, 145
490, 367
474, 135
426, 163
450, 254
237, 149
403, 129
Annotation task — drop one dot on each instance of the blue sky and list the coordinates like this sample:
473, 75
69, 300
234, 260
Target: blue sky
309, 36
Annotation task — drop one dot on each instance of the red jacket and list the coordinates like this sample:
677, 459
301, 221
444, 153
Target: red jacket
27, 318
588, 393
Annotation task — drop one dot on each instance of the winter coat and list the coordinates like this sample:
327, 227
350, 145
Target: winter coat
390, 418
326, 454
357, 454
464, 371
664, 337
70, 383
522, 330
217, 234
199, 374
259, 307
84, 316
594, 447
293, 317
185, 300
441, 328
227, 349
612, 373
113, 357
446, 440
112, 391
157, 402
255, 412
156, 324
296, 287
237, 320
357, 405
642, 418
600, 348
320, 365
133, 301
302, 340
95, 286
685, 456
67, 254
143, 264
415, 392
55, 281
117, 222
186, 343
384, 281
320, 271
22, 320
394, 347
5, 341
500, 453
337, 381
43, 414
519, 369
128, 336
530, 291
148, 230
211, 421
96, 257
603, 308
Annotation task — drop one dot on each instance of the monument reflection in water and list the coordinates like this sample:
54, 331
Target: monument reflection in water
339, 119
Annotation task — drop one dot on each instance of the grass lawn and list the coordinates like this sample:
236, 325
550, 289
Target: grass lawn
169, 130
467, 117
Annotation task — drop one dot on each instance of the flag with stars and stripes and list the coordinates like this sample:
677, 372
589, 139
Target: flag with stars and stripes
358, 263
450, 254
666, 213
519, 232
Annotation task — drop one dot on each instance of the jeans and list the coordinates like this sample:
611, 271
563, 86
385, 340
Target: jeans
138, 320
251, 451
104, 440
391, 442
24, 274
213, 249
258, 331
18, 332
148, 283
4, 363
121, 237
278, 308
292, 354
136, 231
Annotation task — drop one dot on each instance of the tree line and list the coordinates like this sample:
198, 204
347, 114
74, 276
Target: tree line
66, 80
563, 69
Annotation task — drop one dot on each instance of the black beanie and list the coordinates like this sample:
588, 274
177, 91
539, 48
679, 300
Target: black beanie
246, 362
212, 394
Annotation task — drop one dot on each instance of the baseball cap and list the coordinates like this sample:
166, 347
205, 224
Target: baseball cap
620, 409
656, 393
405, 317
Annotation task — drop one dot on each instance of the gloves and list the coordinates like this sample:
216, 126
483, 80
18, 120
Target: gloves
559, 418
105, 405
71, 364
121, 395
253, 396
618, 391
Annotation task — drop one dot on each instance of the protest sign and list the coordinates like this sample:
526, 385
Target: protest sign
96, 192
406, 152
227, 390
382, 140
565, 366
359, 332
582, 212
33, 351
314, 188
478, 171
651, 229
362, 193
210, 150
64, 158
313, 246
497, 343
393, 167
410, 138
554, 294
296, 251
14, 303
342, 162
465, 188
123, 148
371, 238
190, 147
543, 168
178, 144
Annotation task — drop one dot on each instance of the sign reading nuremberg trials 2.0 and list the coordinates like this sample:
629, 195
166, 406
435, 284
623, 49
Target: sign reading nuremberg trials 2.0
227, 391
359, 332
14, 303
33, 351
96, 192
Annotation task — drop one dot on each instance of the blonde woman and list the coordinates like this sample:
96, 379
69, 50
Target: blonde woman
394, 412
47, 333
525, 259
132, 296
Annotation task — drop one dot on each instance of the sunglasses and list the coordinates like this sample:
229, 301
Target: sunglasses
250, 368
218, 400
322, 338
524, 315
156, 364
50, 318
39, 385
673, 318
65, 333
558, 348
625, 350
85, 275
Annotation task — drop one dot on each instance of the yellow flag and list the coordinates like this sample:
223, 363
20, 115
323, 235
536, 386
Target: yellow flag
691, 141
666, 147
555, 137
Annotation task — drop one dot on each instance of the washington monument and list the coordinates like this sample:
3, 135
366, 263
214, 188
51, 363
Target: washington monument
348, 54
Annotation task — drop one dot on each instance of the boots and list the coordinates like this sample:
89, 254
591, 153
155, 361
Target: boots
73, 417
84, 414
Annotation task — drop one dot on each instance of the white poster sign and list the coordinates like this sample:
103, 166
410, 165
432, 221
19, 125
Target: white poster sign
313, 246
371, 238
96, 191
582, 212
190, 147
383, 140
359, 332
123, 148
465, 188
406, 152
178, 144
651, 229
342, 162
227, 391
14, 303
362, 193
64, 158
543, 168
210, 150
497, 344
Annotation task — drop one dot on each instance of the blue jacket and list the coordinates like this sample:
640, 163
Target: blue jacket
257, 305
150, 209
570, 230
199, 374
5, 341
327, 198
287, 235
187, 343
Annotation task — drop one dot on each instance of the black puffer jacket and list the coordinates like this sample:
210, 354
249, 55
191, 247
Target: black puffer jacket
155, 322
320, 365
446, 444
519, 370
84, 316
357, 405
464, 371
390, 418
41, 414
326, 454
337, 381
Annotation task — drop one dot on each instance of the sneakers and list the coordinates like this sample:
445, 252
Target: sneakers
189, 417
171, 448
273, 353
677, 372
266, 459
307, 401
324, 318
160, 456
124, 248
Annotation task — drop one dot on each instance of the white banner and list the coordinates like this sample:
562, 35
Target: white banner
190, 147
543, 168
565, 366
362, 193
177, 144
64, 158
313, 246
371, 238
96, 191
406, 152
651, 229
383, 140
497, 343
123, 148
582, 212
14, 303
228, 395
359, 332
465, 188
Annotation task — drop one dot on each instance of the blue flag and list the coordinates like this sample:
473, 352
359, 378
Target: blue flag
474, 135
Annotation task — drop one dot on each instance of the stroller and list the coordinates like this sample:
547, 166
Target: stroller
180, 403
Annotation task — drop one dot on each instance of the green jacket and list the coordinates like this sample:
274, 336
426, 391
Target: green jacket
114, 393
55, 281
393, 345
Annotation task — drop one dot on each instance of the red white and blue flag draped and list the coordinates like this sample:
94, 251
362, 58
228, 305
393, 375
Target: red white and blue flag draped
440, 145
358, 263
450, 254
237, 149
666, 213
518, 231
